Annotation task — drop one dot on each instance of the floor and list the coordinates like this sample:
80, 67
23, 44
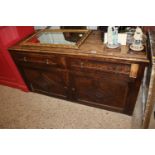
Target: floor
30, 110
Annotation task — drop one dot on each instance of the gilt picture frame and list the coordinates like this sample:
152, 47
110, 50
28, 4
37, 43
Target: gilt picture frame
60, 38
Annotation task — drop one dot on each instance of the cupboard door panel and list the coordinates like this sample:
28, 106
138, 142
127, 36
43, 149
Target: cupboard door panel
51, 82
99, 90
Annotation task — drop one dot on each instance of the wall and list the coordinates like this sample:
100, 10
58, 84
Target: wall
57, 27
9, 74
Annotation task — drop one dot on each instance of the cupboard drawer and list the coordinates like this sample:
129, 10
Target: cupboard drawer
51, 60
77, 64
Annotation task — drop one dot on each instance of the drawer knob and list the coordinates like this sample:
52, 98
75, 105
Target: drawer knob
81, 64
134, 70
25, 59
65, 87
73, 89
47, 61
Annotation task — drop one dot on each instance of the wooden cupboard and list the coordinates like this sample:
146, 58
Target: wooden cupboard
92, 75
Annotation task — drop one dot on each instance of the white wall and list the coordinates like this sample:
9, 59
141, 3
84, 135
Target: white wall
92, 27
58, 27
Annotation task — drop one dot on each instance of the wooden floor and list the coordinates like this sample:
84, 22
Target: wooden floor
30, 110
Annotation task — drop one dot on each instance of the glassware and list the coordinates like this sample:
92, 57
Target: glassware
130, 33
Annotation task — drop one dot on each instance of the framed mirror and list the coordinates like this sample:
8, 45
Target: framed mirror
62, 38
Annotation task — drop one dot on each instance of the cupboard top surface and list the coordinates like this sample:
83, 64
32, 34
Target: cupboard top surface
93, 46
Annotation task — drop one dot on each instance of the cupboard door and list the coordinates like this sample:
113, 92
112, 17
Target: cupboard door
51, 82
100, 90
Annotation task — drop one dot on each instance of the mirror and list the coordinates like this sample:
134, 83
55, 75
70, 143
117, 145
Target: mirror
63, 38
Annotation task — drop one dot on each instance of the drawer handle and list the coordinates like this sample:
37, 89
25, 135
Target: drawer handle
134, 70
73, 89
47, 61
25, 59
99, 95
65, 87
81, 64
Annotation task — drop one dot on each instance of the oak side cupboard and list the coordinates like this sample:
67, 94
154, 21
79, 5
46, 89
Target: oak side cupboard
91, 74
